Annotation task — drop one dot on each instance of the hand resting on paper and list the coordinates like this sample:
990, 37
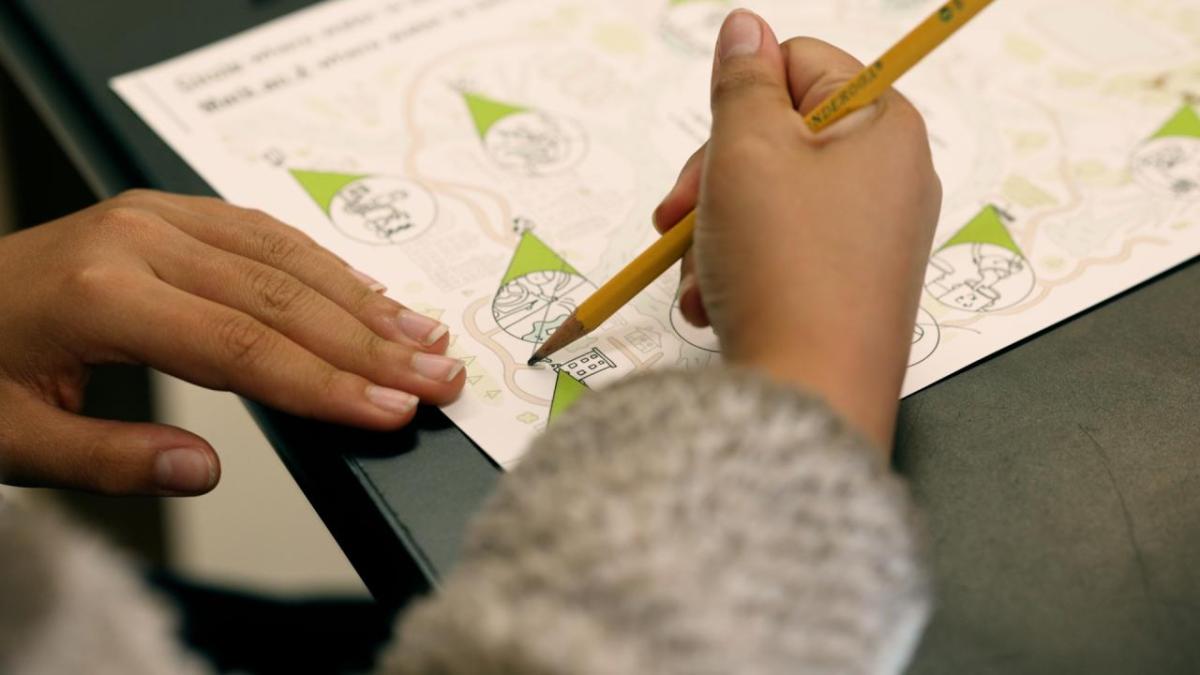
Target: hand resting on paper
809, 249
224, 297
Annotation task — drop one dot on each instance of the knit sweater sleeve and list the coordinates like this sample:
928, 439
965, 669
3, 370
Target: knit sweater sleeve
700, 522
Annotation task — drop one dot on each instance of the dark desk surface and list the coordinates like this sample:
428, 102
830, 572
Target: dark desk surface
1061, 478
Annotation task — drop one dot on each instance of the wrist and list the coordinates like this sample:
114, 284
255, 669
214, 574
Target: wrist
859, 380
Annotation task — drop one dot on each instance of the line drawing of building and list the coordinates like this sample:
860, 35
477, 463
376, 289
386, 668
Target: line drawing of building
587, 364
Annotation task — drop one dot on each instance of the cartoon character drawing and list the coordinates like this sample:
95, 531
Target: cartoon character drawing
371, 209
522, 139
981, 269
1169, 162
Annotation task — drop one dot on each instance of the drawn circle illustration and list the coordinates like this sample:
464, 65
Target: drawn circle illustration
692, 26
979, 277
927, 335
383, 210
536, 143
700, 338
1170, 166
531, 307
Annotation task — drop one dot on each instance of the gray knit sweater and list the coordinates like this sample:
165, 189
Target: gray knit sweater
699, 522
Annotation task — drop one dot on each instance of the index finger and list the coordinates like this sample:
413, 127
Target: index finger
684, 196
258, 236
816, 70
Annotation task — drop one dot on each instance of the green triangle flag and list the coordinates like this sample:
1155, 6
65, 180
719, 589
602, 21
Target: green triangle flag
1185, 123
321, 186
533, 255
486, 112
567, 390
985, 228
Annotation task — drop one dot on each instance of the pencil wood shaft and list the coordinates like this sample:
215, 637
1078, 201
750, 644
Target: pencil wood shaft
637, 275
619, 290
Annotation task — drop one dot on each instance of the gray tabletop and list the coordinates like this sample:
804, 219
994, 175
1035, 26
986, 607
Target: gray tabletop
1060, 478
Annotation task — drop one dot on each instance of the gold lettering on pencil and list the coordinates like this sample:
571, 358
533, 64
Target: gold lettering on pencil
834, 105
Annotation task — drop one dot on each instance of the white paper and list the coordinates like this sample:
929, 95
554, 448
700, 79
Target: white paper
421, 139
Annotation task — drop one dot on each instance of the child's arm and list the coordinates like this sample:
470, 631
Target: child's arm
721, 521
810, 251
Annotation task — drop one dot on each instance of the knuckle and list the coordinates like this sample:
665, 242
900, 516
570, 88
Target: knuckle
273, 225
812, 55
93, 282
104, 480
243, 340
791, 44
122, 218
129, 223
910, 119
748, 153
214, 204
135, 196
257, 216
365, 301
738, 82
104, 469
277, 248
375, 349
276, 292
329, 380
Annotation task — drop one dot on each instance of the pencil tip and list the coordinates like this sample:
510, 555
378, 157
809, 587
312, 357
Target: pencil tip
533, 360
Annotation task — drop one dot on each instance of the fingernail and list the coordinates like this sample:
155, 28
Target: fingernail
184, 470
741, 35
421, 328
392, 400
369, 281
436, 367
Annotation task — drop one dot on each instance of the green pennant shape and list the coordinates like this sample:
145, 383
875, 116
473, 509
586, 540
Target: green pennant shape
986, 228
1185, 123
567, 390
322, 186
486, 112
533, 255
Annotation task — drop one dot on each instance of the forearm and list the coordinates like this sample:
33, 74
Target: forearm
684, 522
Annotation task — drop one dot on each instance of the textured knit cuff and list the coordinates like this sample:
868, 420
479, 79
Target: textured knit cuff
684, 522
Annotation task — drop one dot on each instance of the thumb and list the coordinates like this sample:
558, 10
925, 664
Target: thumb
41, 445
749, 76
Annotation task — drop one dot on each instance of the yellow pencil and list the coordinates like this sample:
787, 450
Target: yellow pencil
858, 93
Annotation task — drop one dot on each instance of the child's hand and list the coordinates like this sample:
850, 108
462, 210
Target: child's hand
221, 296
809, 250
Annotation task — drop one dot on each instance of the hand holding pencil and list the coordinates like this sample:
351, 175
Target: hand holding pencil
857, 92
810, 249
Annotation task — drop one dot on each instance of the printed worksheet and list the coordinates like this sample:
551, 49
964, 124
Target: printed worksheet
493, 161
